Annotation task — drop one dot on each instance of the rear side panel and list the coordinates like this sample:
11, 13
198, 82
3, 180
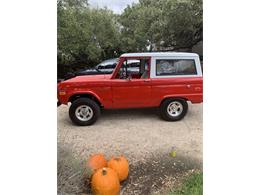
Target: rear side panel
189, 87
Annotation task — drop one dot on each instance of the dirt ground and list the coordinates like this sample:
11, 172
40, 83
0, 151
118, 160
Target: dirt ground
145, 140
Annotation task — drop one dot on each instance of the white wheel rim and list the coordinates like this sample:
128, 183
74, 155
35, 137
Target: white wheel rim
84, 113
175, 109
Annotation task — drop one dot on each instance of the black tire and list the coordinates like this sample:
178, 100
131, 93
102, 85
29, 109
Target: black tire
81, 102
164, 113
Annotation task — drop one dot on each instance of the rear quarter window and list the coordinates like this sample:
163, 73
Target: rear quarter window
175, 67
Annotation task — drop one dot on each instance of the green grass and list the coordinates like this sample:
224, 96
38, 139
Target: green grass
193, 185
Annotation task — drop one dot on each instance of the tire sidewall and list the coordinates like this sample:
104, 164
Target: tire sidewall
164, 113
88, 102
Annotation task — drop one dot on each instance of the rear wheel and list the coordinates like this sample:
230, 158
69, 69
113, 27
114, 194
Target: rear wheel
84, 111
173, 109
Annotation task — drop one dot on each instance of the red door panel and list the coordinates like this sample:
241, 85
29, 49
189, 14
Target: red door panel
131, 93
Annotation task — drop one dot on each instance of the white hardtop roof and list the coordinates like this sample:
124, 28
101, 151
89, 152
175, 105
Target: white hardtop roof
160, 54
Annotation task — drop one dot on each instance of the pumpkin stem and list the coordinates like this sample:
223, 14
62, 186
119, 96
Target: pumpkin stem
117, 159
104, 171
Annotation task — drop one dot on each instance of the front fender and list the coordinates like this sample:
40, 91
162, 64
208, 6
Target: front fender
88, 92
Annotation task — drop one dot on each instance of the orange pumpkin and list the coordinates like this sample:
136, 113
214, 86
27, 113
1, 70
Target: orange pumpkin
105, 182
121, 166
96, 162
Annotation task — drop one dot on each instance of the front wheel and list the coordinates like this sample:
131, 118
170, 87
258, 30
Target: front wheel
173, 109
84, 111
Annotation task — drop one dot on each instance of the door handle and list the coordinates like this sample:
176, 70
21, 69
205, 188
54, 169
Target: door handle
146, 81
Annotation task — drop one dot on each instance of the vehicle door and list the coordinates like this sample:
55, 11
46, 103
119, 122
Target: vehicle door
132, 91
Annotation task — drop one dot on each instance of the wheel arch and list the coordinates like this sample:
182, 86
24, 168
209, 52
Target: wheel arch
89, 95
174, 97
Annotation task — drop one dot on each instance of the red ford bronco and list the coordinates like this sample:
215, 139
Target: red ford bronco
165, 80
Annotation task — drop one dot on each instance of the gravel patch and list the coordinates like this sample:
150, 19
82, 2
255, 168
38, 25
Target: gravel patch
145, 140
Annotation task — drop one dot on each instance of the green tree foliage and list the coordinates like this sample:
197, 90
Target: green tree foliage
105, 33
87, 36
74, 33
161, 25
183, 23
142, 25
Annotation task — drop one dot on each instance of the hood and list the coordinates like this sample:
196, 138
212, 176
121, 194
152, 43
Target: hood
88, 78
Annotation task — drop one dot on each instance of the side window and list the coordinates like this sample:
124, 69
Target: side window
175, 67
134, 69
133, 66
